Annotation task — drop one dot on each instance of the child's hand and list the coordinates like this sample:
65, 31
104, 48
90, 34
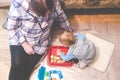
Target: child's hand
58, 51
80, 36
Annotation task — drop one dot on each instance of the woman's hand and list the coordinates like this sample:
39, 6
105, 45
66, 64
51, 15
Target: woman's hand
58, 51
28, 48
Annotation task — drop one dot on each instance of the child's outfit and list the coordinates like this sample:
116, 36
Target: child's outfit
82, 50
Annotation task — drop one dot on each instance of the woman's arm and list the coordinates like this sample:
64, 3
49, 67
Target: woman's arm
14, 21
64, 23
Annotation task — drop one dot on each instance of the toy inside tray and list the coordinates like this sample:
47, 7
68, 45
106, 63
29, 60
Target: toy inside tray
54, 60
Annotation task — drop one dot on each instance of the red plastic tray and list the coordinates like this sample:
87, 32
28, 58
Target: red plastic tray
58, 61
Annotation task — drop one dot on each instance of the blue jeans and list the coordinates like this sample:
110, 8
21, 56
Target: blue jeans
22, 64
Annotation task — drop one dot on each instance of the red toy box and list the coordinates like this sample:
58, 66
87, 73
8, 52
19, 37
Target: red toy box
54, 60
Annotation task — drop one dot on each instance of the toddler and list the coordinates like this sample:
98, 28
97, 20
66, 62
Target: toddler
81, 51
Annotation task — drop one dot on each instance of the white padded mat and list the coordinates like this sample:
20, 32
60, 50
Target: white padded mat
104, 51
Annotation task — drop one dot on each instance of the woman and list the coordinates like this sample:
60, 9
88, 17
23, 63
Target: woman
29, 24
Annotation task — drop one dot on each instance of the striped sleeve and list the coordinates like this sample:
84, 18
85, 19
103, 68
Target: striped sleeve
14, 22
64, 23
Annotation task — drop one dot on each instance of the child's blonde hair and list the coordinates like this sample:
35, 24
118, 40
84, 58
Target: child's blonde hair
68, 40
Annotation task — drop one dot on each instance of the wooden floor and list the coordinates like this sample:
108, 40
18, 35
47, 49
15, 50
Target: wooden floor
106, 26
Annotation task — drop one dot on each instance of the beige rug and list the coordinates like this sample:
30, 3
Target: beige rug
102, 60
104, 51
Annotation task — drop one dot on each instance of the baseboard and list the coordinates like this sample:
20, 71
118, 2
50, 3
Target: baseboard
92, 11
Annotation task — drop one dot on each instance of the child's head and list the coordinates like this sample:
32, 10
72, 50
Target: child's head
66, 37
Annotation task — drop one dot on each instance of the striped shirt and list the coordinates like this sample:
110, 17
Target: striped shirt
82, 50
24, 25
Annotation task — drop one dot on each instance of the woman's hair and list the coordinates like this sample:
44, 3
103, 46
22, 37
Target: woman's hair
68, 40
39, 8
